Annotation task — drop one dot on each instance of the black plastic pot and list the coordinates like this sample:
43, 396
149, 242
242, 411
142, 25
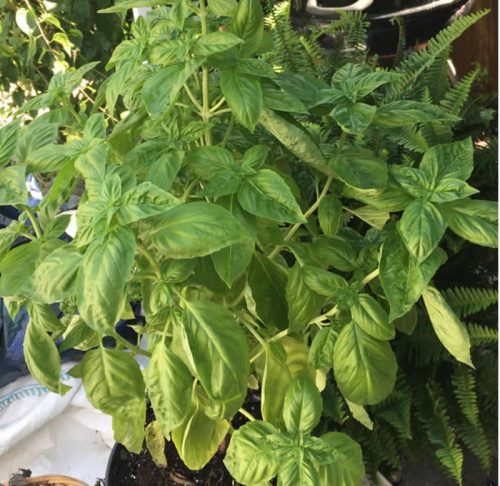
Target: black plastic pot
422, 19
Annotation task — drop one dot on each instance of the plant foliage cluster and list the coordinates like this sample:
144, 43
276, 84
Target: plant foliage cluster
281, 219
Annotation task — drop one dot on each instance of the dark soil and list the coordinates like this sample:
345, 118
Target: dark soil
127, 469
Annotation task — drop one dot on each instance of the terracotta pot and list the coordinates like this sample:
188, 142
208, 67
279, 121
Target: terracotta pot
49, 479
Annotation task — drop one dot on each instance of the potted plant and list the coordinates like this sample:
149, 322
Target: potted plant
274, 227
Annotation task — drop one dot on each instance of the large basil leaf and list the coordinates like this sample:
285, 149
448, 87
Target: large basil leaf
321, 350
369, 315
455, 160
217, 348
161, 89
196, 229
249, 458
408, 112
335, 251
451, 189
267, 195
101, 279
268, 282
44, 317
198, 438
421, 228
144, 201
303, 303
162, 171
244, 96
42, 357
169, 385
210, 161
298, 471
230, 262
330, 215
113, 384
9, 135
403, 278
451, 332
346, 468
324, 282
360, 168
474, 220
54, 279
13, 185
275, 99
364, 367
248, 24
17, 267
302, 406
353, 117
215, 42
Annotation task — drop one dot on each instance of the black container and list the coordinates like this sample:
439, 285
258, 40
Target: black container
422, 19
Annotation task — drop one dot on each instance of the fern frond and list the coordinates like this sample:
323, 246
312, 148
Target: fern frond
468, 300
452, 460
477, 443
464, 389
435, 79
418, 62
401, 49
410, 138
454, 99
481, 335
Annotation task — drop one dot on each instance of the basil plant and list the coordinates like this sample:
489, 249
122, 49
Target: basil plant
273, 228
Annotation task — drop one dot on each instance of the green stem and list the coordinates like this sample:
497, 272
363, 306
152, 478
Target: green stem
246, 321
204, 86
132, 347
246, 414
34, 222
146, 254
221, 112
371, 276
217, 105
193, 99
308, 213
276, 337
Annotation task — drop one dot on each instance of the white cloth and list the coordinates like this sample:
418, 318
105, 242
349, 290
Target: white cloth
50, 434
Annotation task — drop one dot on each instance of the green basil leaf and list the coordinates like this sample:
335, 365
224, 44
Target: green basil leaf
414, 181
215, 42
124, 5
255, 67
295, 139
13, 185
248, 24
330, 213
8, 235
303, 302
353, 117
196, 229
9, 135
144, 201
222, 185
407, 112
364, 367
474, 220
37, 134
163, 171
232, 261
128, 424
299, 472
302, 406
249, 458
407, 322
17, 267
101, 279
210, 161
347, 467
373, 216
42, 358
451, 332
324, 282
268, 283
79, 336
218, 350
268, 195
403, 278
421, 228
369, 315
55, 278
275, 99
161, 89
198, 438
243, 94
360, 414
360, 168
321, 350
335, 251
450, 189
223, 8
169, 385
254, 158
111, 378
436, 160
